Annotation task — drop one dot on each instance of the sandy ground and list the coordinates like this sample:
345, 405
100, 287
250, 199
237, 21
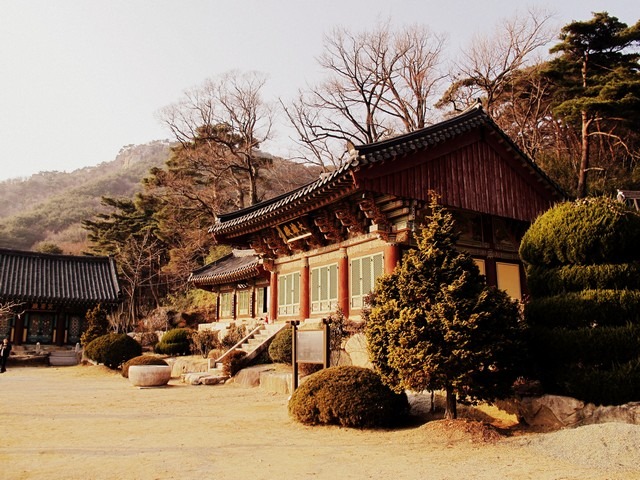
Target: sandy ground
86, 422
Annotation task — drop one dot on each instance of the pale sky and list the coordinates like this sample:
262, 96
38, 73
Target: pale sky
79, 79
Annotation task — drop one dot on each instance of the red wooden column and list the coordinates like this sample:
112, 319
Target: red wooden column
18, 330
60, 329
391, 257
344, 300
305, 290
273, 299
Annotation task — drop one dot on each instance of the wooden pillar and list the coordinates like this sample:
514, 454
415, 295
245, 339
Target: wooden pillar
60, 329
273, 299
491, 273
305, 290
19, 329
391, 257
344, 300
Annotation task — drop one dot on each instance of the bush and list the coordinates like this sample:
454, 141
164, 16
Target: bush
585, 232
544, 281
584, 318
305, 369
141, 360
586, 308
175, 342
613, 386
280, 347
203, 341
347, 396
234, 334
113, 349
605, 346
233, 362
97, 325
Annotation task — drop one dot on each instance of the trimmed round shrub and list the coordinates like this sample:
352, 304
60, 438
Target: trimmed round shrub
348, 396
602, 386
175, 342
545, 281
280, 347
141, 360
113, 349
233, 362
605, 346
584, 317
588, 308
585, 232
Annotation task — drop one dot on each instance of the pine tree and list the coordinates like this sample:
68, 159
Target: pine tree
98, 325
434, 323
597, 83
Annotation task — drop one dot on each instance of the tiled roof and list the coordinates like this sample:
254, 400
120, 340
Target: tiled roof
237, 266
41, 277
335, 184
339, 183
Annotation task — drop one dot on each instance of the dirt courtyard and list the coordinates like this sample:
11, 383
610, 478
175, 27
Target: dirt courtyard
86, 422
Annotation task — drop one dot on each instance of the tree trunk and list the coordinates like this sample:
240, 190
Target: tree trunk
584, 158
450, 411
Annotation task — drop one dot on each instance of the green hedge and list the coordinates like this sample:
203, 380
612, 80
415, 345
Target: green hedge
585, 232
543, 281
113, 349
616, 385
603, 346
585, 309
280, 347
175, 342
348, 396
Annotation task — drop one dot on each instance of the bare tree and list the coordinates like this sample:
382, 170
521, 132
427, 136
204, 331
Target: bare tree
8, 309
227, 119
489, 62
379, 82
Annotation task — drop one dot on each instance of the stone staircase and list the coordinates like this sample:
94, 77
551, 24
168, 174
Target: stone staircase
256, 342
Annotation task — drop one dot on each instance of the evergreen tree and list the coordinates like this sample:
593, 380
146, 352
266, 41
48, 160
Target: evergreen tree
435, 324
597, 84
97, 325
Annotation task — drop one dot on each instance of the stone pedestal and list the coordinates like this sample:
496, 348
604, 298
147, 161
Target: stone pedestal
149, 375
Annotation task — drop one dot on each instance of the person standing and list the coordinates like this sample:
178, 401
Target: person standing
5, 350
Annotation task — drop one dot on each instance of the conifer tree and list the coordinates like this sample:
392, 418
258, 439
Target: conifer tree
434, 323
97, 325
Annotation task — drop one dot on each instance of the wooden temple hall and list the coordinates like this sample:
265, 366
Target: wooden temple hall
51, 295
304, 254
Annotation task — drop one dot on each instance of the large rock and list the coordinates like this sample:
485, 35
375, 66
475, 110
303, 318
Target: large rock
250, 376
188, 364
276, 382
555, 411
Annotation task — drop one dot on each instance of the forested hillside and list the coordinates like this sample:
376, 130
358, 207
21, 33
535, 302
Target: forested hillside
49, 206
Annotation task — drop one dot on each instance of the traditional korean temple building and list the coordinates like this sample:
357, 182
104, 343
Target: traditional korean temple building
241, 282
325, 243
52, 294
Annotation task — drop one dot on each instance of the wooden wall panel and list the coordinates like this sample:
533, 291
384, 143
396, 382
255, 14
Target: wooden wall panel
475, 177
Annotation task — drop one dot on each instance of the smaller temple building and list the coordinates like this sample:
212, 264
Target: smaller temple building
51, 294
241, 282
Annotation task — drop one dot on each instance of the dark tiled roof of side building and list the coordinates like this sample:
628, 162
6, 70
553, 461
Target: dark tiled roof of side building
69, 279
238, 265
